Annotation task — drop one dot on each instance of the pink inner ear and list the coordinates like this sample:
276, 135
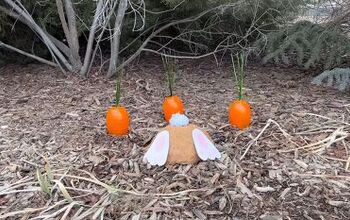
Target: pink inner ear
202, 140
160, 143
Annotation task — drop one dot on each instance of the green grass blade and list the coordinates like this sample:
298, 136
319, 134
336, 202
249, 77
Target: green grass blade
64, 191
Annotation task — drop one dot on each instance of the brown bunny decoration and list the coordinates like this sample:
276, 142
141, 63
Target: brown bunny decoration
180, 143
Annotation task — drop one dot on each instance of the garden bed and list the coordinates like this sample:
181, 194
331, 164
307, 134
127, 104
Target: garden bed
292, 163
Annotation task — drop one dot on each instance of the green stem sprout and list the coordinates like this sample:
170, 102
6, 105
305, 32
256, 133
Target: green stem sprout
170, 70
241, 61
118, 88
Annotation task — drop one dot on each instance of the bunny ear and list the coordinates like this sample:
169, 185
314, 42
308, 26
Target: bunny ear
157, 153
204, 147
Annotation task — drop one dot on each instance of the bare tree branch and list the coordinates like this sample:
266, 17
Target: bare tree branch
110, 13
61, 46
165, 11
42, 60
73, 33
87, 59
177, 22
115, 40
56, 54
64, 24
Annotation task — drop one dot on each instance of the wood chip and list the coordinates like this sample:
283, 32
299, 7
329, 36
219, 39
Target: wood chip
153, 216
243, 188
264, 189
301, 163
284, 193
222, 203
72, 114
95, 159
337, 203
215, 178
136, 217
271, 217
199, 214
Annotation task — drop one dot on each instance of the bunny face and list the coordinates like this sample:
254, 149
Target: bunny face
180, 143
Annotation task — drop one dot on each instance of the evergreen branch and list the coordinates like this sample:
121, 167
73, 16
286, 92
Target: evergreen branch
338, 78
308, 44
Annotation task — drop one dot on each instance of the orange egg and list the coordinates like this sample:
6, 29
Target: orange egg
172, 105
117, 121
240, 114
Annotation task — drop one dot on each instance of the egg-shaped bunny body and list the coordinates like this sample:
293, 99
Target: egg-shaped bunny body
180, 143
181, 147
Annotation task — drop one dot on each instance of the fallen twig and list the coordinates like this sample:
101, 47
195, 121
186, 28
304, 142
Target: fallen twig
250, 144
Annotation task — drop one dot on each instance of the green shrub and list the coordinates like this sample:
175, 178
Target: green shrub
338, 78
306, 44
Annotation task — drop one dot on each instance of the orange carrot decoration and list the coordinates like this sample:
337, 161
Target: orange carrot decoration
239, 110
117, 117
172, 104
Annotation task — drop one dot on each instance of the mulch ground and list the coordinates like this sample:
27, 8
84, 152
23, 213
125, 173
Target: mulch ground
292, 163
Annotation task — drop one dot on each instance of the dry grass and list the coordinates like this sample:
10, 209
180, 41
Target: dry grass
56, 161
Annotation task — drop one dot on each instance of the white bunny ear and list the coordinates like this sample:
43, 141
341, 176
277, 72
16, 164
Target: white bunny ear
157, 153
204, 147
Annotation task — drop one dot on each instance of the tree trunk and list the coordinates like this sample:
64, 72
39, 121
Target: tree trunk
115, 39
87, 60
60, 45
56, 54
70, 31
72, 24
